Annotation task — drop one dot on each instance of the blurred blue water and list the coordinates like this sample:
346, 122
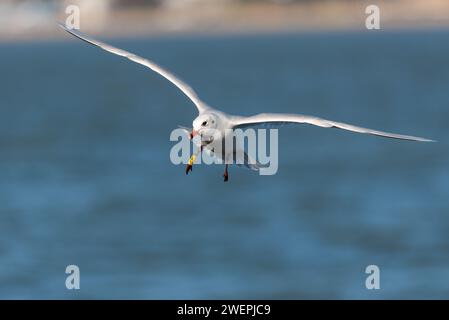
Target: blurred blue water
86, 179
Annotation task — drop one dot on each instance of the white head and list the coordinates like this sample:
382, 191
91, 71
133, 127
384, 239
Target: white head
205, 125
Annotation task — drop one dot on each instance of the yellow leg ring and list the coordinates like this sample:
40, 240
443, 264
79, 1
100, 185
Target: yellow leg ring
192, 160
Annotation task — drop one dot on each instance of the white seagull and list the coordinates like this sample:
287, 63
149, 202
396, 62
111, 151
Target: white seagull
210, 119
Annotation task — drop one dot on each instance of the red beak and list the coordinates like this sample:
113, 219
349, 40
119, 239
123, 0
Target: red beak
193, 134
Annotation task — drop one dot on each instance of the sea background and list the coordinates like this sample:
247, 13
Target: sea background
86, 177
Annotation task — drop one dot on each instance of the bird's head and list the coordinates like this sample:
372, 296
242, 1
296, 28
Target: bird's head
205, 125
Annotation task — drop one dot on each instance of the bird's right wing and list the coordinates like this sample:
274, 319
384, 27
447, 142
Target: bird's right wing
186, 89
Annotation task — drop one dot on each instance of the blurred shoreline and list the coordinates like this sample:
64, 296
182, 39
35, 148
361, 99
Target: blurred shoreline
29, 21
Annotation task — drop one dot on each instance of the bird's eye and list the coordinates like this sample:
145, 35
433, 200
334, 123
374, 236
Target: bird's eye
204, 123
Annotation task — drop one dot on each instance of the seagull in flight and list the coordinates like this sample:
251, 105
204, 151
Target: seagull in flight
210, 119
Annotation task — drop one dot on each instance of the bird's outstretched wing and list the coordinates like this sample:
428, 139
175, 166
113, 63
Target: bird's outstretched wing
274, 119
186, 89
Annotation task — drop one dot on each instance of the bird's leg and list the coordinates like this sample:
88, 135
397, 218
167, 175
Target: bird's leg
225, 174
192, 160
190, 163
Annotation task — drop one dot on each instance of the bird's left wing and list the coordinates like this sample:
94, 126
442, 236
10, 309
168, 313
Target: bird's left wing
277, 119
185, 88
